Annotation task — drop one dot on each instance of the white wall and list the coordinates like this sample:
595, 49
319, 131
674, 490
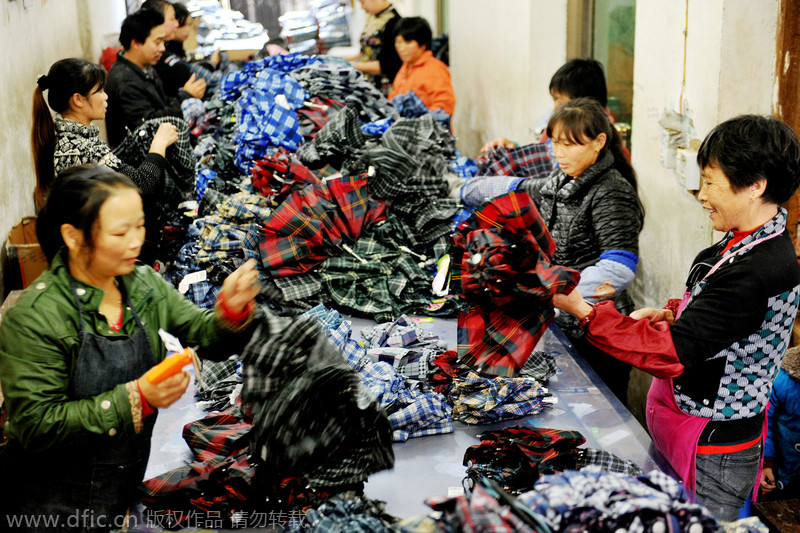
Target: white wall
730, 57
502, 56
33, 35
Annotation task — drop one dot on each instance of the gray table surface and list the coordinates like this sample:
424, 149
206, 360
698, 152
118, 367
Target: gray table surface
432, 466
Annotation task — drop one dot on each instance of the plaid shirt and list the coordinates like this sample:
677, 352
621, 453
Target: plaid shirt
610, 502
411, 412
347, 85
180, 168
502, 267
315, 222
515, 457
529, 161
409, 105
330, 443
477, 511
313, 118
339, 142
477, 400
276, 175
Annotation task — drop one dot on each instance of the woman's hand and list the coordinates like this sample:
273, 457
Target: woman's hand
195, 86
241, 287
655, 315
166, 134
165, 393
573, 303
215, 58
500, 141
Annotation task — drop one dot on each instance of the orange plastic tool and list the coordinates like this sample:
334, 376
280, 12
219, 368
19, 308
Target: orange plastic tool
169, 366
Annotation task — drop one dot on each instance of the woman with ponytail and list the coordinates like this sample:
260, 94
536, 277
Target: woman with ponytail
75, 92
593, 212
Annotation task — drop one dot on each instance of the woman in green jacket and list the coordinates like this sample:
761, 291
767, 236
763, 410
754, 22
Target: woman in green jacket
75, 349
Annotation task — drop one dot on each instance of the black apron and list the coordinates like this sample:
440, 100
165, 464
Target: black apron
90, 487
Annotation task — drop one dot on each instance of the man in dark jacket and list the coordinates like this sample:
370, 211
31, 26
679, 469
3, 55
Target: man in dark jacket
135, 91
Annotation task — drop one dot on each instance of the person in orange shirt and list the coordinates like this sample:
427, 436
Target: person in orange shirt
422, 73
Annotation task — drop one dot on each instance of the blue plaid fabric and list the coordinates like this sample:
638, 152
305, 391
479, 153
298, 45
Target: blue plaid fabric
478, 400
411, 412
478, 190
202, 293
377, 128
463, 166
612, 502
290, 62
409, 105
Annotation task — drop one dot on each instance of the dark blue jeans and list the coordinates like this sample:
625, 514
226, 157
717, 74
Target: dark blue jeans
725, 481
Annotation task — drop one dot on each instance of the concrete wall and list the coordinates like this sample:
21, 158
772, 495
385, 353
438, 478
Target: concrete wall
502, 56
730, 58
33, 35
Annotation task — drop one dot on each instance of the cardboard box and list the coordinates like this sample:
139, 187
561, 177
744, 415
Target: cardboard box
23, 247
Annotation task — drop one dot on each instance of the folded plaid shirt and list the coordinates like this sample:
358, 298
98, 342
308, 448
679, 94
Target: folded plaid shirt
540, 366
477, 511
347, 85
409, 105
180, 169
315, 222
529, 161
351, 515
275, 176
406, 346
312, 418
501, 259
340, 142
478, 400
609, 502
218, 482
512, 456
314, 116
411, 412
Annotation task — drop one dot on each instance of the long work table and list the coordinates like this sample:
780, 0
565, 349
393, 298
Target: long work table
432, 466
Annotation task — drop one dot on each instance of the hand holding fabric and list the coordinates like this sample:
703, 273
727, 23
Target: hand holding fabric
241, 287
166, 135
573, 303
500, 141
655, 315
165, 393
195, 86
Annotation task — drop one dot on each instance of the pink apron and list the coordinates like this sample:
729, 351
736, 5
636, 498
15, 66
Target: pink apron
675, 433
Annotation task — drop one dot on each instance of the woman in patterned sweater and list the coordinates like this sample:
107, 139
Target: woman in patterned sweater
75, 91
714, 354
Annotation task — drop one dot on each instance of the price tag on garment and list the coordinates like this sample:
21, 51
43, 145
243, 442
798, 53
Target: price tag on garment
189, 279
452, 492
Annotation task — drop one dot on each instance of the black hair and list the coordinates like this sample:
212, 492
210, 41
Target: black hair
158, 5
181, 13
137, 26
749, 148
64, 79
415, 29
581, 77
583, 119
76, 199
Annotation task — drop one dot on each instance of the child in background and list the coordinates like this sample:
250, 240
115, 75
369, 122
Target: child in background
780, 479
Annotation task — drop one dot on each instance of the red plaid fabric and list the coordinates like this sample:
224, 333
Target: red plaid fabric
501, 259
274, 176
313, 223
313, 118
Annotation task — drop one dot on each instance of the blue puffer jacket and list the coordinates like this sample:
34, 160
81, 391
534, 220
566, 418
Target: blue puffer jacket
783, 438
